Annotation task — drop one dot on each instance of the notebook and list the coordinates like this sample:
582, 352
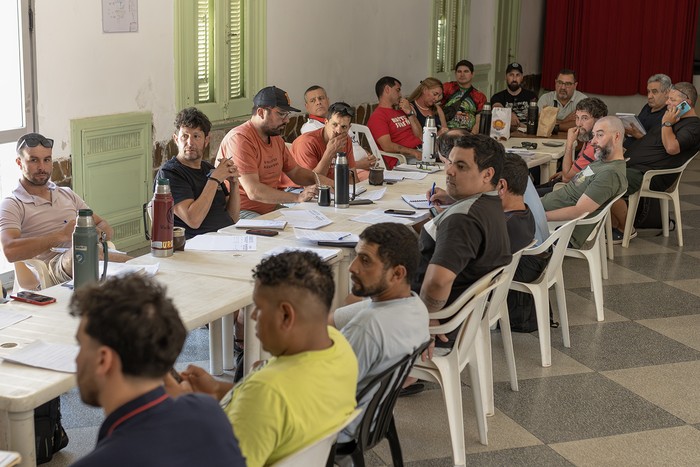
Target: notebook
417, 201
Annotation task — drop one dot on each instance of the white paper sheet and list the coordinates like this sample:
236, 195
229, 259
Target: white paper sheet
377, 215
398, 175
277, 224
8, 318
417, 201
374, 195
222, 243
325, 254
322, 236
306, 218
8, 458
430, 169
121, 269
57, 357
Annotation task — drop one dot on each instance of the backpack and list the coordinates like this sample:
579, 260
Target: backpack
48, 431
648, 215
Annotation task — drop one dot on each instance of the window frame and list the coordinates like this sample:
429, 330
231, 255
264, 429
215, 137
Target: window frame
457, 37
254, 57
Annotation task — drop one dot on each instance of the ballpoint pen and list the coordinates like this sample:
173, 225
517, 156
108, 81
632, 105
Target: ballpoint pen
344, 236
432, 192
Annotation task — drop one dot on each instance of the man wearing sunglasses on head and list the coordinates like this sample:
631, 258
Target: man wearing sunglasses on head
39, 215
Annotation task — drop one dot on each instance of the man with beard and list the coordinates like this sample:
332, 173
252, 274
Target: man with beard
394, 321
469, 238
653, 111
39, 215
461, 101
261, 156
665, 146
393, 123
514, 96
316, 104
588, 111
595, 185
130, 335
200, 206
565, 97
316, 149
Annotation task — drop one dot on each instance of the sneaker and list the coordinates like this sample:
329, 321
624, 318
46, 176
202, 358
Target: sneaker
617, 236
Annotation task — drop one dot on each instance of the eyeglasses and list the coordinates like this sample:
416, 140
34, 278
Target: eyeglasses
342, 109
33, 141
281, 114
568, 84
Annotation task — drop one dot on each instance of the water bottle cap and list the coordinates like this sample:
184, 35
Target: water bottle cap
487, 106
533, 103
163, 181
85, 212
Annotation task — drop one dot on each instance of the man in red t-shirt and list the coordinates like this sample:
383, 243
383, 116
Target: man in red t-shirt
316, 149
393, 123
261, 156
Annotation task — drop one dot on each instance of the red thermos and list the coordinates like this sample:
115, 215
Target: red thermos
162, 226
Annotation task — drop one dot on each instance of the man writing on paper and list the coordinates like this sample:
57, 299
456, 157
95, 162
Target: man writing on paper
203, 202
261, 156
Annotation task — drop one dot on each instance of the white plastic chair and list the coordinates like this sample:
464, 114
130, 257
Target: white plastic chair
357, 128
31, 274
318, 452
539, 289
464, 314
593, 251
497, 312
663, 196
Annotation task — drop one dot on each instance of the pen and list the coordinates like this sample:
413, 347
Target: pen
432, 192
344, 236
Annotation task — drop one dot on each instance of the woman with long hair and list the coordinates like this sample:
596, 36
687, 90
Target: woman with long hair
425, 99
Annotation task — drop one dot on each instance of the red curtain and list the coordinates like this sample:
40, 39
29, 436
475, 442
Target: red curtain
616, 45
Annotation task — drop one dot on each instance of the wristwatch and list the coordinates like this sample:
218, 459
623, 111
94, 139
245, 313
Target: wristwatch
411, 114
667, 124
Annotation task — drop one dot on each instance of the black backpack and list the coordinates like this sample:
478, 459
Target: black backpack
48, 431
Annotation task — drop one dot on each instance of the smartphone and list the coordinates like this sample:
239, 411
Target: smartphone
33, 298
263, 232
400, 212
683, 107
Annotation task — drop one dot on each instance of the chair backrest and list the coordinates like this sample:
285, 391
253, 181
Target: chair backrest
31, 274
599, 219
559, 241
678, 170
316, 453
379, 411
499, 295
364, 130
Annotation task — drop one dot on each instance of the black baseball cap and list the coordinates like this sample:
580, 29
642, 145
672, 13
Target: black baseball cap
514, 66
272, 96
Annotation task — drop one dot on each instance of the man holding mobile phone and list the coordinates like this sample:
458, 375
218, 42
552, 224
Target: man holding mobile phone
665, 146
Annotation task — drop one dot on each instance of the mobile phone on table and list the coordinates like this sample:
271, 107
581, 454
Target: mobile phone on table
400, 212
263, 232
33, 298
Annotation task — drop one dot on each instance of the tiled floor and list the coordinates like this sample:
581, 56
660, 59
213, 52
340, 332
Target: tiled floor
627, 392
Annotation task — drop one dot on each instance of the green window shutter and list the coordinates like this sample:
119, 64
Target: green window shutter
235, 49
205, 33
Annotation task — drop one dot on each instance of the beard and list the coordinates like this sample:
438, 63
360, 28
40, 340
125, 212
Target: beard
585, 136
602, 153
513, 86
361, 290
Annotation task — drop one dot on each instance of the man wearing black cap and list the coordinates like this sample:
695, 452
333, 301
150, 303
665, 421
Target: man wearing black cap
40, 215
261, 156
514, 95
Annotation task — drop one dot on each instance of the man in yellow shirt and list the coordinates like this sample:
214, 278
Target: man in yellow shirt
308, 387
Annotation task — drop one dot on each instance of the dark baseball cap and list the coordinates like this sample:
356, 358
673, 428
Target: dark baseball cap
272, 96
514, 66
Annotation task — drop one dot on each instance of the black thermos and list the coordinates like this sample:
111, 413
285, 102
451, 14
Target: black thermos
485, 121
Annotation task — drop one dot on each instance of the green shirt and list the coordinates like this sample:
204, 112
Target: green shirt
601, 181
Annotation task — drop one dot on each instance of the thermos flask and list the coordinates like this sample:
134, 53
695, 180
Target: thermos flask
86, 258
162, 226
429, 136
342, 181
532, 117
485, 120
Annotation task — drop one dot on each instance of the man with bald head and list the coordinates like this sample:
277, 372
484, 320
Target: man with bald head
592, 188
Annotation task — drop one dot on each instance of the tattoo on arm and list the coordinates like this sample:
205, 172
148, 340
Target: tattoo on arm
431, 303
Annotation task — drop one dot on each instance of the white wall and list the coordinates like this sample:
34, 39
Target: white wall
83, 72
531, 36
482, 20
346, 46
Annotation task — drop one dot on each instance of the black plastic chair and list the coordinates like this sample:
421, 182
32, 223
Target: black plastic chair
377, 420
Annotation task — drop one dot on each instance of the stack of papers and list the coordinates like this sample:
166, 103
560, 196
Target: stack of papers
315, 236
399, 175
325, 254
377, 215
8, 318
631, 120
417, 201
374, 195
306, 218
222, 243
277, 224
58, 357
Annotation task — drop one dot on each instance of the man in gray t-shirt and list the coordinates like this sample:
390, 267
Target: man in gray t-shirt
394, 321
591, 189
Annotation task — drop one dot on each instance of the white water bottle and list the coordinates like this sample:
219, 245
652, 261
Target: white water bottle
429, 135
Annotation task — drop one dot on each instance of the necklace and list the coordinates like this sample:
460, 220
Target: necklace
424, 109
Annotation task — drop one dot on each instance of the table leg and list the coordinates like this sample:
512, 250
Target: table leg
216, 364
227, 329
546, 169
21, 436
251, 343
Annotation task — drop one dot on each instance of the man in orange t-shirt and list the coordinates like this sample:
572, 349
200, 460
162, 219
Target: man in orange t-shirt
261, 156
316, 150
